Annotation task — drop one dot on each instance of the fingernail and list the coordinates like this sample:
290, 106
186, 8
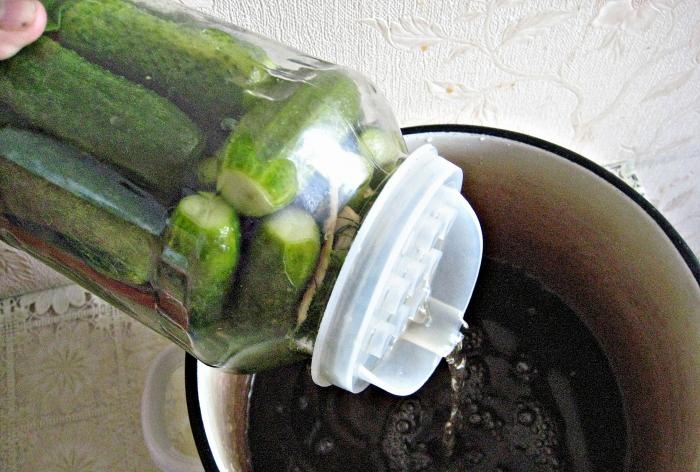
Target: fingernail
16, 15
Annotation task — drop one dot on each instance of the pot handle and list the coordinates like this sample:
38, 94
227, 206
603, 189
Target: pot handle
153, 421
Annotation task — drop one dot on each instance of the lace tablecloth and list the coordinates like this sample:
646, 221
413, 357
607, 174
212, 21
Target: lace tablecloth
72, 371
616, 80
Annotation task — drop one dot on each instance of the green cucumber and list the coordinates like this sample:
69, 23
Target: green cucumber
347, 225
267, 155
205, 71
84, 206
207, 171
10, 118
253, 187
304, 334
204, 231
53, 10
113, 119
280, 261
383, 148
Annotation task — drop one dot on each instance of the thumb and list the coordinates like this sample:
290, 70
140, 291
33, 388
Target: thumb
16, 15
21, 22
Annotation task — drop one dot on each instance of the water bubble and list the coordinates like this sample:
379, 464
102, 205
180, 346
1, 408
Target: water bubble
475, 418
228, 124
408, 407
526, 417
398, 446
403, 426
474, 457
473, 340
525, 370
324, 446
303, 403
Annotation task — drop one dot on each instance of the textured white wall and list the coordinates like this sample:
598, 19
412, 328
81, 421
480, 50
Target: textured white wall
616, 80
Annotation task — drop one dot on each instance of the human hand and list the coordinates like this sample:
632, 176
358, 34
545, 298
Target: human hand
21, 22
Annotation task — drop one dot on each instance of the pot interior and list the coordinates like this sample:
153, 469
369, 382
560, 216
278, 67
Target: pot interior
591, 241
593, 245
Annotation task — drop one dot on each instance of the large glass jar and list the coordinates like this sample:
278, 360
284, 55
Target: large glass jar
205, 180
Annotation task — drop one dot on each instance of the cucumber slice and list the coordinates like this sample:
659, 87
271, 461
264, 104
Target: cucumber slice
204, 240
274, 149
260, 189
68, 199
280, 261
113, 119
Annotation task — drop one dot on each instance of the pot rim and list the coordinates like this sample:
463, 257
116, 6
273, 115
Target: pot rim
679, 243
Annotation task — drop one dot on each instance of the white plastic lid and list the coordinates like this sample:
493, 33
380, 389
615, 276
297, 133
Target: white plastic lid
396, 308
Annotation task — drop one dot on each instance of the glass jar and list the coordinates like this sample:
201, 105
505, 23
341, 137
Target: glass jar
211, 183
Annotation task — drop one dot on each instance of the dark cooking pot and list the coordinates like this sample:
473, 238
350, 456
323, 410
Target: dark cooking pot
590, 238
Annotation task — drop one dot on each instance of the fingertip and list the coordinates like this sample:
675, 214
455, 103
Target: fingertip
36, 29
7, 50
12, 41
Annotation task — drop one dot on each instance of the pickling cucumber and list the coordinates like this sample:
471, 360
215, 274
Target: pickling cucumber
8, 117
267, 155
347, 225
203, 70
280, 260
113, 119
204, 230
80, 204
382, 147
206, 171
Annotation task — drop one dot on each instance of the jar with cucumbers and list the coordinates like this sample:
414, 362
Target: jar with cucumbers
253, 204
